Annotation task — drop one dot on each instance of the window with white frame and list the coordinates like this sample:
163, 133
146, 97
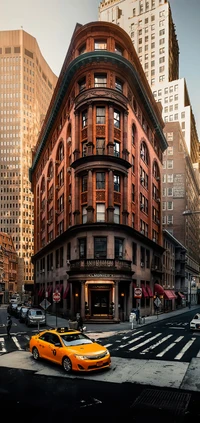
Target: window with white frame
164, 192
169, 219
84, 214
170, 205
170, 178
164, 220
169, 164
100, 45
164, 205
170, 151
116, 214
100, 212
170, 192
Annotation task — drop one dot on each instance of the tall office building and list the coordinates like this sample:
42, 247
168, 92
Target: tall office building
150, 25
26, 87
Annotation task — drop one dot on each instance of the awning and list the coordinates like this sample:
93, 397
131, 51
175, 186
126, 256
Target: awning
149, 291
134, 285
158, 289
66, 292
169, 295
181, 295
50, 290
144, 291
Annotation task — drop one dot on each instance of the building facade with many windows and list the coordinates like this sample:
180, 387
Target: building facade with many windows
26, 87
96, 179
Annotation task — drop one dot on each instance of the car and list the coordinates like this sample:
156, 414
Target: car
195, 322
23, 313
35, 316
15, 299
71, 349
11, 309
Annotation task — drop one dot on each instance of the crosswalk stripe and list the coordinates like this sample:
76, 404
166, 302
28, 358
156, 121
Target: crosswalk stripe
2, 341
134, 340
198, 355
166, 349
184, 349
152, 347
145, 342
179, 339
17, 343
107, 345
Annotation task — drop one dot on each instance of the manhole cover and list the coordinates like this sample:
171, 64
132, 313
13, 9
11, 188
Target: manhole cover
174, 402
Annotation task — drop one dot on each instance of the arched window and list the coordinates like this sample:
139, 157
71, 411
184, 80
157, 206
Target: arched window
60, 152
156, 172
133, 134
144, 154
50, 171
43, 185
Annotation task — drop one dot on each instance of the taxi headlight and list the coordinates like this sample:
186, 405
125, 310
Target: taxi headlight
80, 357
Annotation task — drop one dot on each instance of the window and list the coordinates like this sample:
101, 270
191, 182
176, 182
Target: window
169, 164
100, 212
116, 149
100, 45
100, 180
134, 253
82, 49
82, 248
84, 119
170, 192
100, 247
133, 134
61, 152
170, 178
116, 183
116, 119
170, 205
100, 80
144, 154
100, 115
133, 164
116, 214
118, 248
118, 85
118, 50
84, 214
82, 84
133, 192
84, 149
84, 183
100, 146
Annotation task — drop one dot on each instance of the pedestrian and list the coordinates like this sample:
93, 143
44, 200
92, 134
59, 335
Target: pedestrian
80, 324
9, 325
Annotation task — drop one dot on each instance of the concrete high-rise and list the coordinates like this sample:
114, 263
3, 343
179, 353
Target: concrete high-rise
26, 87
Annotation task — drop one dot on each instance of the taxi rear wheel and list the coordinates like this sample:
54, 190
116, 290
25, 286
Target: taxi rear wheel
35, 353
67, 365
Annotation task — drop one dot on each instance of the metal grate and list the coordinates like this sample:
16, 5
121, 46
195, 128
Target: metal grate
170, 401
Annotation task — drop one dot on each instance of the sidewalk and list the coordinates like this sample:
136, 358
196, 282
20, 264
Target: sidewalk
120, 327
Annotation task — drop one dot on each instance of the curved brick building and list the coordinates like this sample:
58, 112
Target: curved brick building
96, 178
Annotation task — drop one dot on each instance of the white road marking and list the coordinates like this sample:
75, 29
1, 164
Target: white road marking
27, 337
198, 355
2, 341
166, 349
156, 345
17, 343
107, 345
145, 342
184, 349
134, 340
172, 327
179, 339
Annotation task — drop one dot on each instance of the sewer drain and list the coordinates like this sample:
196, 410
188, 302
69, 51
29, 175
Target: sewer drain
166, 401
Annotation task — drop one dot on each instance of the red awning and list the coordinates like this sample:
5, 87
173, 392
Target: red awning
159, 289
50, 289
60, 288
149, 291
134, 285
169, 295
66, 292
144, 291
56, 289
181, 295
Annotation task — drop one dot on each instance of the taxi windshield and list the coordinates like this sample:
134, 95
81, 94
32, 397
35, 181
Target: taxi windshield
75, 339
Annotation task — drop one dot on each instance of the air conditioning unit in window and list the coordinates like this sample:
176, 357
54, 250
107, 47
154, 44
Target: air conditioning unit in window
141, 206
154, 239
141, 180
142, 264
68, 262
158, 200
142, 154
69, 140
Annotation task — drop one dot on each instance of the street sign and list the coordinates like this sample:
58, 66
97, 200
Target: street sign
45, 304
56, 297
137, 292
157, 302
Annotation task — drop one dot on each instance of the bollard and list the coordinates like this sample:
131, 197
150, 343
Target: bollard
143, 320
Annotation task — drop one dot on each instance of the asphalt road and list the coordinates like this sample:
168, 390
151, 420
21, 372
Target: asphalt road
34, 393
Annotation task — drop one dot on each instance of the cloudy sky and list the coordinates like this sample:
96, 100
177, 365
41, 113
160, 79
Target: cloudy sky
52, 23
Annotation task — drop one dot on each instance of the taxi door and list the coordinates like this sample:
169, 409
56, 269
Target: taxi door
43, 345
55, 349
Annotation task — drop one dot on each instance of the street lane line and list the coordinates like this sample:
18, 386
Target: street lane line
184, 349
198, 355
145, 342
179, 339
2, 341
166, 349
134, 340
156, 345
107, 345
17, 343
172, 327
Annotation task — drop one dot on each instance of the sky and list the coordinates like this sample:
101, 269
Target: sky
52, 23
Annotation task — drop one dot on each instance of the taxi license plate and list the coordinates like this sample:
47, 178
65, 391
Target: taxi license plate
99, 363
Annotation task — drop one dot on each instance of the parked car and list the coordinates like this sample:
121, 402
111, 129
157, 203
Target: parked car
11, 309
23, 313
15, 298
18, 308
71, 349
35, 316
195, 322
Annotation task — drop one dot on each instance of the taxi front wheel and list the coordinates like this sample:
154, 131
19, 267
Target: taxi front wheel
67, 365
35, 353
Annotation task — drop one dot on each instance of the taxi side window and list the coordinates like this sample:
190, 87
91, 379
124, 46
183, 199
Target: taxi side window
54, 339
45, 337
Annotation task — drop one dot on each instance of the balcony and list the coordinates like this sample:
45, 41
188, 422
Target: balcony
100, 264
157, 268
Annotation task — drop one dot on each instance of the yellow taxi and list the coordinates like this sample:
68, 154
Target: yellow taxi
70, 348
